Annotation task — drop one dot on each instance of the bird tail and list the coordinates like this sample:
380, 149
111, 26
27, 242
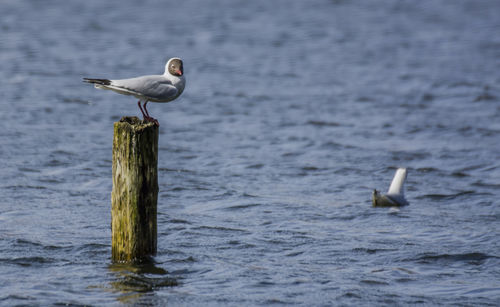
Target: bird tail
97, 81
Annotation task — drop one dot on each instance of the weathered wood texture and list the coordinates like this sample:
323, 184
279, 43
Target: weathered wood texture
135, 190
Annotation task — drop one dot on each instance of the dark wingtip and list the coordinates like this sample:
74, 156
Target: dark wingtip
97, 81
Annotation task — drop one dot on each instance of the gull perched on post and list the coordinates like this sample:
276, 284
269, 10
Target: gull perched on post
155, 88
395, 196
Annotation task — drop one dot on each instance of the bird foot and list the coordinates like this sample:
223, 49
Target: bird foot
151, 120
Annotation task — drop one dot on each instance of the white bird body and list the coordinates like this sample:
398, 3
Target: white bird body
155, 88
395, 195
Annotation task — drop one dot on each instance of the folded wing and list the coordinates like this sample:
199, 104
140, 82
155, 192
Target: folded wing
153, 88
398, 182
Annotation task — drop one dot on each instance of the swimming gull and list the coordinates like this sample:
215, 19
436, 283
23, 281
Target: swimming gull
395, 196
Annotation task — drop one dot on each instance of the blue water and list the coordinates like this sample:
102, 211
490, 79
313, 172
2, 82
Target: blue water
293, 113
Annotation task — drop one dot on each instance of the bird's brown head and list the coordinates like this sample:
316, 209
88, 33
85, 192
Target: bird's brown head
175, 67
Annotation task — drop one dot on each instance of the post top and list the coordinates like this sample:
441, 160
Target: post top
134, 123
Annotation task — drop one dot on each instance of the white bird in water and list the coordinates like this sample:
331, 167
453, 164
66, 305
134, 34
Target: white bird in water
155, 88
395, 196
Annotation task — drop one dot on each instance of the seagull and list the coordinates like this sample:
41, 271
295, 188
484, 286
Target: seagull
155, 88
395, 196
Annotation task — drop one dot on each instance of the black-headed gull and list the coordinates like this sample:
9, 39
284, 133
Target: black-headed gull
395, 196
155, 88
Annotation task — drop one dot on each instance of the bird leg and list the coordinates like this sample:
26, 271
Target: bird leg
146, 110
140, 108
145, 114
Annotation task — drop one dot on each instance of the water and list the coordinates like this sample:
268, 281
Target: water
292, 114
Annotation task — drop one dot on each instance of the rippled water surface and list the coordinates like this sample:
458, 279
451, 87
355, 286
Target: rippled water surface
292, 114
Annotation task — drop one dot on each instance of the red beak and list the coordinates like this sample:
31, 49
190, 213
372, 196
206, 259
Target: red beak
178, 72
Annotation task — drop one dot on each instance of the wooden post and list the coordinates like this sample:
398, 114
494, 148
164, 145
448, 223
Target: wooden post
135, 190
